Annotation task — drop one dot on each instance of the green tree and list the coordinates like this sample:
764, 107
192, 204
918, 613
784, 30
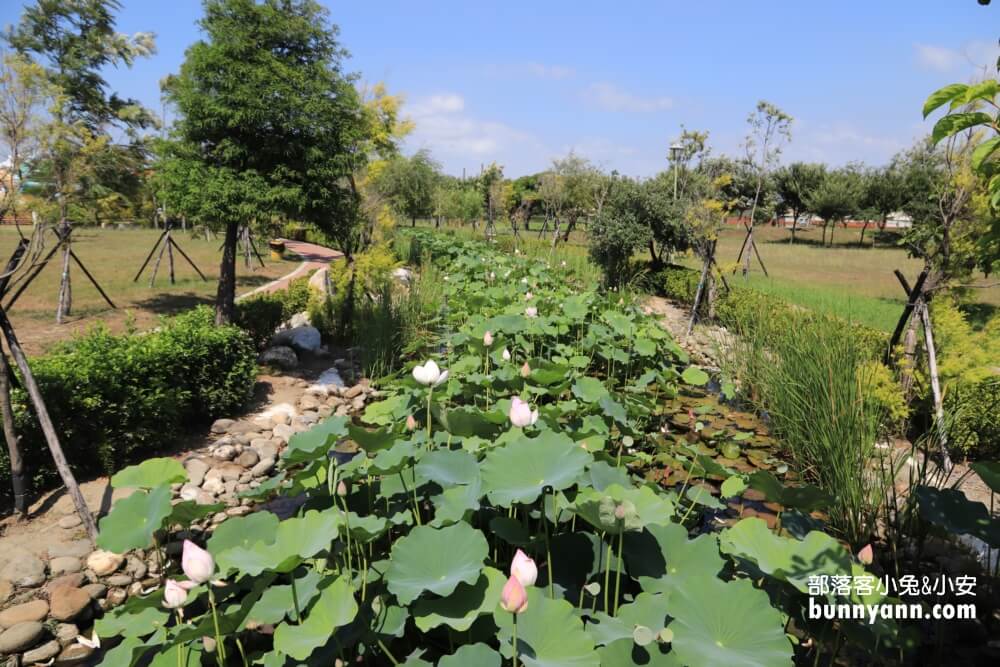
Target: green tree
883, 195
409, 184
836, 198
619, 231
793, 184
268, 125
24, 92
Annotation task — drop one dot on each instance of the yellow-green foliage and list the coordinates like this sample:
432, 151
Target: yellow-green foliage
964, 354
883, 388
372, 268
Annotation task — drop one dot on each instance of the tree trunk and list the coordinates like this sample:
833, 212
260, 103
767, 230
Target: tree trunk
413, 221
795, 224
864, 227
654, 260
823, 242
17, 476
833, 228
225, 298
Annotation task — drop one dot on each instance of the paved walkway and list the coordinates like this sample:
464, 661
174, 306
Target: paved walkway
313, 257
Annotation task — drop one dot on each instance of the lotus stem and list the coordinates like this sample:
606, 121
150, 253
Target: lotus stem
295, 601
515, 640
220, 647
387, 653
430, 394
548, 550
607, 578
243, 653
618, 572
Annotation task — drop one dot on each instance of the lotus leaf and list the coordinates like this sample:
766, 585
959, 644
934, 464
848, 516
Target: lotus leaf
471, 655
334, 608
133, 520
435, 560
315, 442
149, 474
460, 609
549, 634
519, 471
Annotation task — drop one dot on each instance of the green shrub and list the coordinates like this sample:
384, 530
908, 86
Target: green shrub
974, 429
115, 397
676, 282
259, 316
295, 298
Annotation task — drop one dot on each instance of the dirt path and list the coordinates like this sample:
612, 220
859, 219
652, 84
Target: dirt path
313, 256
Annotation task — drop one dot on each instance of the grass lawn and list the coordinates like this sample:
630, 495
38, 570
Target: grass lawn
113, 257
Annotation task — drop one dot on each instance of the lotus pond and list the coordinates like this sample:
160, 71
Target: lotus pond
547, 483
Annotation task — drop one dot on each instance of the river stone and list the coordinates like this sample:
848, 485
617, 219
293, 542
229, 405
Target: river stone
308, 402
36, 610
104, 563
220, 426
280, 356
189, 491
25, 570
95, 591
248, 458
266, 449
303, 339
283, 432
226, 471
70, 521
262, 468
213, 486
196, 469
355, 391
74, 580
77, 549
73, 654
64, 565
49, 649
21, 637
68, 603
66, 633
119, 580
225, 452
6, 590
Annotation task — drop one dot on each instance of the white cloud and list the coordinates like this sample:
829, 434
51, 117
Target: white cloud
975, 54
435, 104
610, 97
550, 71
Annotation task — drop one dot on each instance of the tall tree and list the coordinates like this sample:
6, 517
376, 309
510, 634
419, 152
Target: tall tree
268, 124
882, 196
793, 184
836, 198
24, 93
409, 184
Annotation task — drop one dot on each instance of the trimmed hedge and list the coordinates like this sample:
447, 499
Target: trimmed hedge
115, 398
261, 315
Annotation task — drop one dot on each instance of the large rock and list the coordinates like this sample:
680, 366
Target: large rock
21, 637
64, 565
302, 339
196, 469
66, 633
403, 275
262, 468
300, 320
248, 458
74, 580
220, 426
6, 590
283, 432
318, 281
266, 449
46, 651
25, 569
73, 654
280, 356
36, 610
104, 563
68, 603
77, 549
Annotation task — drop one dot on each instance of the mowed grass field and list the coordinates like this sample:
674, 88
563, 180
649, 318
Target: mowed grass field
854, 282
113, 257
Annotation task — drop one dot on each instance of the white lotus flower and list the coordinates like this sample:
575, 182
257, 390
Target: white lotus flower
531, 311
523, 568
505, 354
529, 296
521, 414
429, 374
488, 338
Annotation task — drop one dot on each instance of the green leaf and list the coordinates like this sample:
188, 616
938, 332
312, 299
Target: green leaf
589, 389
460, 609
372, 441
279, 601
984, 90
435, 560
315, 442
983, 151
149, 474
675, 558
804, 497
952, 511
733, 487
726, 623
133, 520
283, 550
625, 653
519, 471
549, 633
384, 413
695, 376
130, 621
956, 122
335, 607
989, 472
471, 655
943, 96
242, 531
188, 511
470, 421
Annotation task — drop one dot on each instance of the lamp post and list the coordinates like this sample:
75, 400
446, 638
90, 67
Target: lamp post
675, 154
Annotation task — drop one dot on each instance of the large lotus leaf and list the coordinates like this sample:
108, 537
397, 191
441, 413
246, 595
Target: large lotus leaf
187, 512
663, 557
989, 472
575, 307
626, 653
130, 620
648, 610
279, 601
294, 541
167, 656
469, 421
603, 475
639, 507
519, 471
620, 322
242, 532
549, 633
447, 467
315, 442
726, 623
372, 441
133, 520
453, 504
952, 511
510, 530
149, 474
364, 528
471, 655
589, 389
785, 558
435, 560
612, 408
695, 376
804, 497
385, 412
547, 373
334, 608
461, 609
390, 461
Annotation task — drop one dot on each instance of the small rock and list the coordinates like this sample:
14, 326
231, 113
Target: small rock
220, 426
95, 591
324, 411
134, 589
309, 417
73, 654
204, 498
265, 448
225, 452
70, 521
6, 590
354, 391
77, 549
135, 567
49, 649
25, 570
104, 563
115, 597
119, 580
213, 486
358, 404
342, 411
36, 610
66, 633
74, 580
300, 319
283, 432
189, 491
64, 565
196, 469
68, 603
280, 356
238, 511
262, 468
317, 283
21, 637
308, 402
248, 458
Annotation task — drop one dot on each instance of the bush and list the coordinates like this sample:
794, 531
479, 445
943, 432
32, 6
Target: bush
972, 407
113, 397
259, 316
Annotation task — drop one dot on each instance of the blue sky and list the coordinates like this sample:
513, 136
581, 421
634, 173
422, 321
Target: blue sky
524, 82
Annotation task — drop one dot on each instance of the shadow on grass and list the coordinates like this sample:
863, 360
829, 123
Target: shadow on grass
169, 304
883, 241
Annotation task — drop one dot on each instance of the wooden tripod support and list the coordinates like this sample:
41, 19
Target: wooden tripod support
168, 246
748, 240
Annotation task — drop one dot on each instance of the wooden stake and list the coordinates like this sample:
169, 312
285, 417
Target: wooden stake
925, 317
17, 472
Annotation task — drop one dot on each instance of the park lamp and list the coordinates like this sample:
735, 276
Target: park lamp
675, 151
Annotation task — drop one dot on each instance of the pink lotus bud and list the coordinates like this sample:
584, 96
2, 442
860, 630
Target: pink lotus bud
411, 423
488, 338
197, 563
531, 312
513, 597
174, 595
341, 489
521, 414
866, 555
525, 370
529, 296
505, 354
620, 512
524, 569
